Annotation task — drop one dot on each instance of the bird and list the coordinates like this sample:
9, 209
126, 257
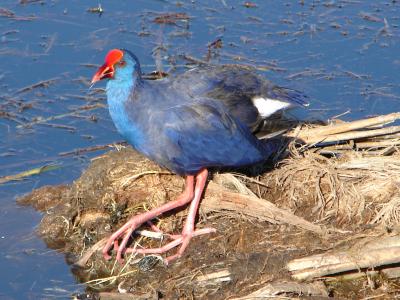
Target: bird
202, 119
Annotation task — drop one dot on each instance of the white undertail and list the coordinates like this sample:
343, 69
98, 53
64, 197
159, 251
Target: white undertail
267, 106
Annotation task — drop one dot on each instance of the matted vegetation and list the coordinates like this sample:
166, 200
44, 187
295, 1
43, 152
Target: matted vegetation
323, 222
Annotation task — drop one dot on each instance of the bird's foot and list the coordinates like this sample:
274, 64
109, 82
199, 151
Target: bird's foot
192, 194
123, 234
181, 239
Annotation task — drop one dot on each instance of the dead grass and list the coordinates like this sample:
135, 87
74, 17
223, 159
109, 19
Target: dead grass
350, 189
312, 201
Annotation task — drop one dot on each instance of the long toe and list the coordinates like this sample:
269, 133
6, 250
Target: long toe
181, 239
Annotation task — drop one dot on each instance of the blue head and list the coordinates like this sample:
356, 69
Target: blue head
122, 69
120, 65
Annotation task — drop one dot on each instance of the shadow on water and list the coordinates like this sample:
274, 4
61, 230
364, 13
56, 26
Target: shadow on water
343, 54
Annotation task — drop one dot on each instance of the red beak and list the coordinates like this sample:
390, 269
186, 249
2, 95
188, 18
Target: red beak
105, 71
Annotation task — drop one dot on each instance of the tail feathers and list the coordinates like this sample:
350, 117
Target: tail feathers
289, 95
270, 135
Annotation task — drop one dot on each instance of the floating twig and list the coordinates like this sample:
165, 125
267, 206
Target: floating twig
81, 151
28, 173
43, 83
96, 10
171, 18
50, 42
75, 112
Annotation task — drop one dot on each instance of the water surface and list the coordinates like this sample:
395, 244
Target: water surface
343, 54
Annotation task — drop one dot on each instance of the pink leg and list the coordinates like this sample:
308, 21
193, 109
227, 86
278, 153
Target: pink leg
127, 229
188, 229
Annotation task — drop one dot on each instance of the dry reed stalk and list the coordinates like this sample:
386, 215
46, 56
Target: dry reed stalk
88, 254
218, 198
366, 254
388, 273
323, 131
351, 135
378, 144
217, 277
127, 296
276, 289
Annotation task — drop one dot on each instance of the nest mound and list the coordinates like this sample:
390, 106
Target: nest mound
307, 205
353, 190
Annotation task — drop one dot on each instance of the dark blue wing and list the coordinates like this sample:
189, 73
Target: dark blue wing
236, 87
201, 135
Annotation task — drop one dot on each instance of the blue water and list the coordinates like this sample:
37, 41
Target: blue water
340, 53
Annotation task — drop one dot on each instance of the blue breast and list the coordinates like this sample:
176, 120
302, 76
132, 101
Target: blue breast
119, 93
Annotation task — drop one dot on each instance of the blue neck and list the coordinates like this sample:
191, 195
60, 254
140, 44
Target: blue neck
120, 90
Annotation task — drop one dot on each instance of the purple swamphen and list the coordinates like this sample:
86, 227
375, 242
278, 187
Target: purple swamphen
201, 119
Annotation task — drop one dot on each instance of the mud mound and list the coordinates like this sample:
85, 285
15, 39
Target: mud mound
325, 215
122, 183
246, 252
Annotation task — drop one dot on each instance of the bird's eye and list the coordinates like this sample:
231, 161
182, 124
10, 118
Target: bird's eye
122, 63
